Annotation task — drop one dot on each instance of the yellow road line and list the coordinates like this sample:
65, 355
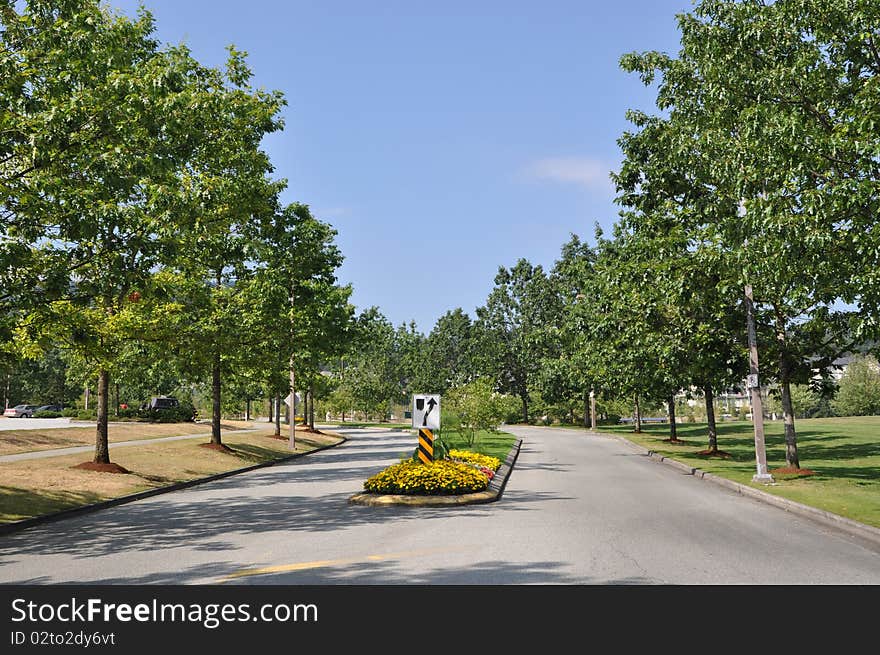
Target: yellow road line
321, 563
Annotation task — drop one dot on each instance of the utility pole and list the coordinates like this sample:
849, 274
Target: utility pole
292, 443
755, 392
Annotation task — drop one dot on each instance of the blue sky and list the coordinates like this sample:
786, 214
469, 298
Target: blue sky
440, 139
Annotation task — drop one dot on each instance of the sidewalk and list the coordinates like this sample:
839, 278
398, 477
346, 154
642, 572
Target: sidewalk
72, 450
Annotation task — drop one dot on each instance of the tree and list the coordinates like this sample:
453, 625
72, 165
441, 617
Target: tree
569, 374
227, 191
666, 204
307, 318
510, 330
859, 388
371, 369
101, 124
770, 105
449, 353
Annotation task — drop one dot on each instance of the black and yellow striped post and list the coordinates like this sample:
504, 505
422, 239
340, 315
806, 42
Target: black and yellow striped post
426, 445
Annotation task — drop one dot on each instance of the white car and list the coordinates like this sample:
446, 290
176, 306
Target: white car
21, 411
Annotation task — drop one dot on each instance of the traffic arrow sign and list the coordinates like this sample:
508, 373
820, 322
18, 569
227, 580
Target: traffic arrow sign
426, 411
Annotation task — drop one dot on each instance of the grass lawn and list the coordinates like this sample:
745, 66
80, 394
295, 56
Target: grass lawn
843, 453
40, 486
496, 444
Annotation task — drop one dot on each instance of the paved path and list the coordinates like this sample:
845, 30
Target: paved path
7, 423
578, 509
71, 450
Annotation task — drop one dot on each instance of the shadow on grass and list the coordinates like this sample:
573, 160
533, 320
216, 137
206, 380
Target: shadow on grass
16, 503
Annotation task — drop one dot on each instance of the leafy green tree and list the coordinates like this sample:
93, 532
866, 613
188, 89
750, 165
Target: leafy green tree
307, 317
859, 388
510, 329
569, 375
371, 368
769, 105
448, 359
100, 124
227, 190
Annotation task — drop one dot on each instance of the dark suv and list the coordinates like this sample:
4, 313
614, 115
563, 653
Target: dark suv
163, 403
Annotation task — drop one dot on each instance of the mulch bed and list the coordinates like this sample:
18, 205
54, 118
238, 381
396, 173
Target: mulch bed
678, 441
102, 468
714, 453
790, 471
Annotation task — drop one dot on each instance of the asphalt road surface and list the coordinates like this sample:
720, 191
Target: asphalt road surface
578, 509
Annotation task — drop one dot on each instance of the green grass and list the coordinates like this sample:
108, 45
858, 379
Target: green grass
496, 444
843, 453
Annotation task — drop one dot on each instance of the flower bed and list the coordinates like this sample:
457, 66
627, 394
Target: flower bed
464, 472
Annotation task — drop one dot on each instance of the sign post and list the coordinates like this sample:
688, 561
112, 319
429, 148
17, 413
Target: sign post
426, 419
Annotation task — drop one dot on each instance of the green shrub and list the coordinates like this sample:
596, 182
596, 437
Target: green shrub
442, 477
70, 412
184, 412
47, 414
86, 415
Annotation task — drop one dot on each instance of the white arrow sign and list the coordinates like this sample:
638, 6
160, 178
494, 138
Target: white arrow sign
426, 411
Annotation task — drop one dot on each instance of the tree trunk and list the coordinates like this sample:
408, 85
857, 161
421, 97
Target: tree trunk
710, 417
102, 448
215, 397
278, 415
638, 415
525, 408
594, 418
673, 430
586, 410
116, 388
271, 410
247, 410
791, 449
311, 407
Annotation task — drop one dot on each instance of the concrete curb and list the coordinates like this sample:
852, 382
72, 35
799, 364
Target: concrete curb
493, 493
853, 528
8, 528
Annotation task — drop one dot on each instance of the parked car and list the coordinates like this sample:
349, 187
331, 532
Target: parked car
21, 411
50, 408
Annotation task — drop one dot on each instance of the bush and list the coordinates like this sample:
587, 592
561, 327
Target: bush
183, 413
70, 412
474, 407
47, 414
86, 415
442, 477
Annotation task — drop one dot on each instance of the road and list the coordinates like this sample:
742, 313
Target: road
578, 509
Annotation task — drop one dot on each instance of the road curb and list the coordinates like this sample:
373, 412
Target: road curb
854, 528
8, 528
491, 494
